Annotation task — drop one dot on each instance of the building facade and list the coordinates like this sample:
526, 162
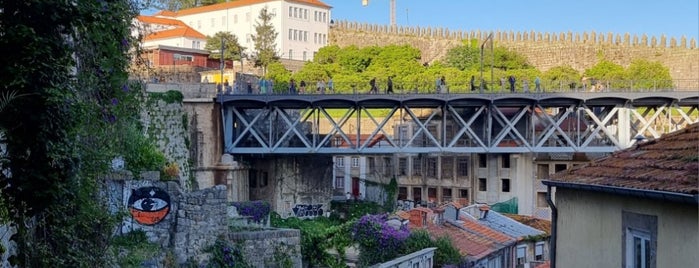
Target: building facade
634, 208
301, 25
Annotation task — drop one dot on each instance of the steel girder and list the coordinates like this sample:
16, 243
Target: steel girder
449, 128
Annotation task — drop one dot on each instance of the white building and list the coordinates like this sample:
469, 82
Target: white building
301, 25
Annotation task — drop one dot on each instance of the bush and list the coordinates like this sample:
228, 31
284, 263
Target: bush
378, 242
257, 210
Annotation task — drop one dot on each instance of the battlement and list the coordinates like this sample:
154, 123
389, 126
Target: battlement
511, 36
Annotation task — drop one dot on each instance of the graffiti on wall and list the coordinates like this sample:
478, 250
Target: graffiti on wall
312, 211
149, 205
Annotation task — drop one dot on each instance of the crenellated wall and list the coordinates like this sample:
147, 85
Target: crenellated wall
543, 50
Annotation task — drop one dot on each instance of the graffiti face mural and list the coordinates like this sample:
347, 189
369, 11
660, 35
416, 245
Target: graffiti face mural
149, 205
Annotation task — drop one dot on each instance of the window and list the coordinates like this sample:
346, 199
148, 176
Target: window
264, 180
340, 161
355, 161
432, 167
387, 166
180, 57
541, 200
482, 160
305, 14
315, 38
505, 185
432, 194
402, 166
417, 167
315, 15
463, 193
638, 248
446, 194
539, 251
291, 54
339, 182
252, 178
505, 161
291, 11
402, 193
462, 167
372, 165
447, 167
305, 36
560, 167
482, 184
521, 256
291, 33
417, 194
295, 35
640, 233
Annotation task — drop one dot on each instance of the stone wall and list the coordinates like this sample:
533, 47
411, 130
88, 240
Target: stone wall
269, 248
543, 50
167, 124
191, 220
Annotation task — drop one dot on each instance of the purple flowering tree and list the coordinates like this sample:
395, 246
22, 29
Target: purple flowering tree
378, 241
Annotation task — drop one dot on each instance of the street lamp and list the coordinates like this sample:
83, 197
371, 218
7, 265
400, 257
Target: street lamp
490, 37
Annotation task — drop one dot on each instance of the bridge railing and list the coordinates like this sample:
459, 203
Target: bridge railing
209, 90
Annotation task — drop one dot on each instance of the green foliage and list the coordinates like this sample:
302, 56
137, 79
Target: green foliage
264, 40
140, 153
280, 75
606, 72
559, 76
391, 195
225, 254
354, 210
647, 74
169, 97
232, 50
317, 237
132, 249
445, 253
74, 74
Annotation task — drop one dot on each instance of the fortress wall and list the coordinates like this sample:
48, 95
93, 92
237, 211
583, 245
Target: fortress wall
544, 50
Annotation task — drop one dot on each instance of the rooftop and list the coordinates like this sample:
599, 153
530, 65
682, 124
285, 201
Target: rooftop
233, 4
667, 164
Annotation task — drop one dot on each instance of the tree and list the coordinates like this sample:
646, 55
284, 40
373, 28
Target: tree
232, 49
264, 39
560, 77
607, 74
77, 101
645, 74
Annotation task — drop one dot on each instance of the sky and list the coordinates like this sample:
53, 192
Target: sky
674, 18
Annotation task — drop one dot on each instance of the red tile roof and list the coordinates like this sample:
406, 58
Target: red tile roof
546, 264
234, 4
536, 223
180, 28
669, 163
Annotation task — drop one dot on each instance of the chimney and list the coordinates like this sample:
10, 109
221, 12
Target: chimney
484, 211
440, 215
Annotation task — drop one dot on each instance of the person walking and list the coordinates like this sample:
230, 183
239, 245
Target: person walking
373, 89
438, 85
331, 85
512, 83
443, 84
321, 86
292, 86
302, 87
473, 83
389, 86
525, 85
537, 84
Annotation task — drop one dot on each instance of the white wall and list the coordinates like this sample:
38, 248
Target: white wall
241, 22
590, 229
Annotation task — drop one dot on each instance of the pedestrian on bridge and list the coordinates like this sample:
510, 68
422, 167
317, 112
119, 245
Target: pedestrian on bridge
292, 86
537, 84
373, 89
302, 87
389, 86
512, 81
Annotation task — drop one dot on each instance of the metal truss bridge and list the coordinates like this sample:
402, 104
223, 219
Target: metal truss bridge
566, 122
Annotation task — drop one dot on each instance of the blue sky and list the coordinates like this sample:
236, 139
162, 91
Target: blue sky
673, 18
